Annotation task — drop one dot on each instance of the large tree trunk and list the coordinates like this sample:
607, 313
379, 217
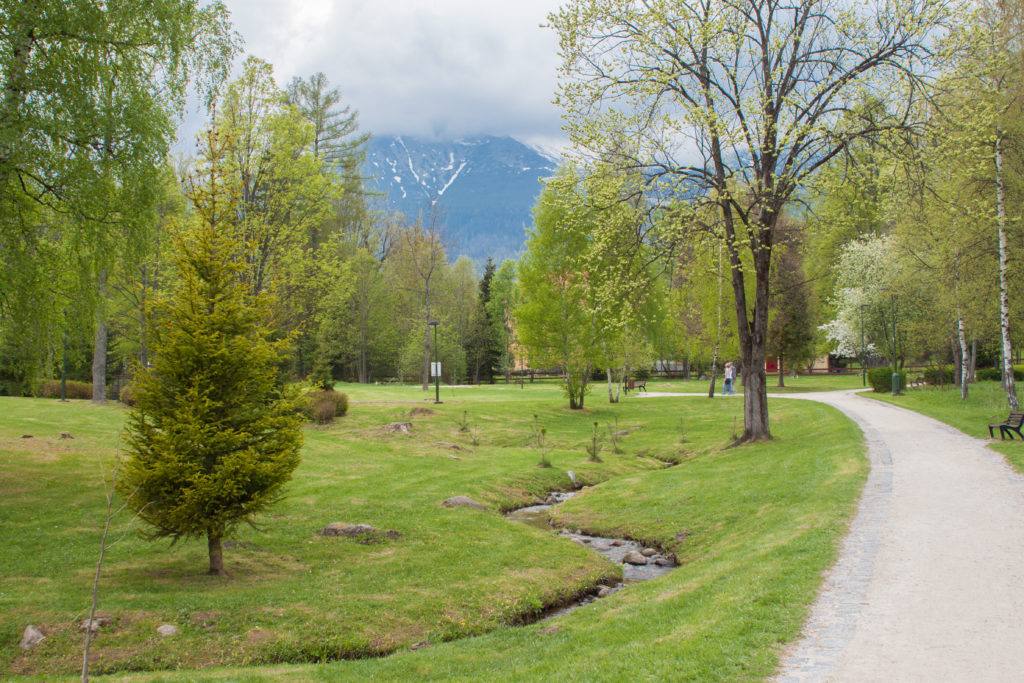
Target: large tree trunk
216, 555
99, 347
753, 337
1004, 297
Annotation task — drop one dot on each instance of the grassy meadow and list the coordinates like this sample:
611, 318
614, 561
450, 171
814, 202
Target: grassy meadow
985, 404
752, 527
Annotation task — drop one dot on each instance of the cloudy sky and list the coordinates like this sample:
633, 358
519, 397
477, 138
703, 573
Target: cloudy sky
418, 67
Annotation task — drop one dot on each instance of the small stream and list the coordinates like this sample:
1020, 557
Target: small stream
614, 549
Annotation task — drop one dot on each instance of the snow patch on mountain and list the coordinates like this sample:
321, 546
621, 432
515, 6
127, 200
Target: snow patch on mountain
483, 188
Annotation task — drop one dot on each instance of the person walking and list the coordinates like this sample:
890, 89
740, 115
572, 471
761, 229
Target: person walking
728, 385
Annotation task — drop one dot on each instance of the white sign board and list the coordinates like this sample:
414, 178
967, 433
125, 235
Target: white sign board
435, 369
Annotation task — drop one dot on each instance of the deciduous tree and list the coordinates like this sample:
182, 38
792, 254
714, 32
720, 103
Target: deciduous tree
736, 104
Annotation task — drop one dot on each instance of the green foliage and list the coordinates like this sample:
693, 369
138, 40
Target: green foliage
996, 375
483, 346
321, 377
937, 376
92, 90
989, 374
880, 379
211, 442
127, 395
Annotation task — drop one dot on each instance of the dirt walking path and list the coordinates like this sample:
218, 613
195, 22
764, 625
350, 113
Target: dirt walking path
929, 585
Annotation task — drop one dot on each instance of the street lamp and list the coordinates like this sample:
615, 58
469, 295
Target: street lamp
436, 366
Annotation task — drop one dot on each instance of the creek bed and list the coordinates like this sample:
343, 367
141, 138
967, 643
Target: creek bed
613, 549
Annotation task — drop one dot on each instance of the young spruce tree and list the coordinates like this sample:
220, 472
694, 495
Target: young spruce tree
211, 439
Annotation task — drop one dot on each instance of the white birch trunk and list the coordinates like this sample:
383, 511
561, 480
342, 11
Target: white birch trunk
1004, 298
964, 351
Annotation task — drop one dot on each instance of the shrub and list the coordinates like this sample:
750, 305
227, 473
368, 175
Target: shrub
642, 373
990, 374
996, 374
880, 379
942, 374
323, 411
127, 395
311, 401
51, 389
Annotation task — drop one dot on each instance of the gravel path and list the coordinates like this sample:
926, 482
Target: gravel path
929, 585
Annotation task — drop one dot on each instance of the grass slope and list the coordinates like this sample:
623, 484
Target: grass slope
753, 527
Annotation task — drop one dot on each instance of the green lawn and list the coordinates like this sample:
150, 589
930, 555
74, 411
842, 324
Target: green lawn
986, 403
753, 528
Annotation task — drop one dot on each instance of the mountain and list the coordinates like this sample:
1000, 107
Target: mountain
483, 187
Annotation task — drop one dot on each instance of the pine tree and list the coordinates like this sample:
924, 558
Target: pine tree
211, 439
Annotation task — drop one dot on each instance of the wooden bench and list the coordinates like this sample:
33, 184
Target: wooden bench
638, 384
1012, 424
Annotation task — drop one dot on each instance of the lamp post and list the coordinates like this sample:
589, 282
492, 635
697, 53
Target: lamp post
863, 350
437, 366
895, 349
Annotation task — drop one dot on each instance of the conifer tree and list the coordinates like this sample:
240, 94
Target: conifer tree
211, 439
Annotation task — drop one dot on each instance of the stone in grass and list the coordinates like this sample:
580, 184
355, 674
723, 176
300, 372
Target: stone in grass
31, 636
398, 427
605, 591
66, 435
648, 552
344, 529
98, 622
633, 557
167, 630
462, 501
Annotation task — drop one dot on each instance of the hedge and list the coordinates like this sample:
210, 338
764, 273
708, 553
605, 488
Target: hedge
996, 374
880, 379
51, 389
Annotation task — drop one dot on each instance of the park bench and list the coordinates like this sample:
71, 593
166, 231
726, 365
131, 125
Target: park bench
638, 384
1012, 424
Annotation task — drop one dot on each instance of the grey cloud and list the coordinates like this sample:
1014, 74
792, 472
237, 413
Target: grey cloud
421, 67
